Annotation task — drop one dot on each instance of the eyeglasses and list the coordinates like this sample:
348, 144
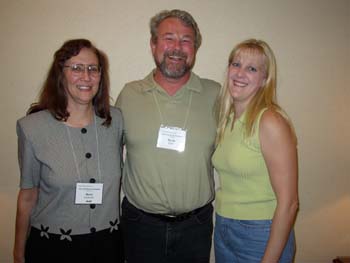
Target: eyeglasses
79, 69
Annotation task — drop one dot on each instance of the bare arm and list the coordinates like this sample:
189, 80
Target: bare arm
27, 199
279, 150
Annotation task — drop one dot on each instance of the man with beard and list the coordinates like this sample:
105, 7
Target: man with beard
169, 136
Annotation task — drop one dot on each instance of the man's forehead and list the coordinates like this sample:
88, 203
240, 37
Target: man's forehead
172, 25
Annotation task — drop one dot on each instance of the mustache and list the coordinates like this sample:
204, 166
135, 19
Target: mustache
177, 53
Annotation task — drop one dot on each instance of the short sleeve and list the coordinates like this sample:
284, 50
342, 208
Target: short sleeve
119, 105
119, 101
29, 165
118, 116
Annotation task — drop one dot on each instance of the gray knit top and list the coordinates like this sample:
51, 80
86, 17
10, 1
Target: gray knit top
46, 151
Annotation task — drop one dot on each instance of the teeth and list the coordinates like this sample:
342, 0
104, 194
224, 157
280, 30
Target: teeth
239, 84
175, 57
84, 87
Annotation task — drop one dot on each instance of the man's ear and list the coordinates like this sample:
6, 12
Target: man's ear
152, 45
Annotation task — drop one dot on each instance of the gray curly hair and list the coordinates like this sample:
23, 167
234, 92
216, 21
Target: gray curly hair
184, 16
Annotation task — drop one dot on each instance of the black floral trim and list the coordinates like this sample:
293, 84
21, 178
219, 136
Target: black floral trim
44, 231
66, 234
114, 225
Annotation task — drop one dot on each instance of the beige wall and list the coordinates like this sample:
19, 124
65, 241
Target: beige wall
311, 40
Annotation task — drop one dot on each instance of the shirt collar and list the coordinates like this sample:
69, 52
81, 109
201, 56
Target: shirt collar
241, 119
193, 84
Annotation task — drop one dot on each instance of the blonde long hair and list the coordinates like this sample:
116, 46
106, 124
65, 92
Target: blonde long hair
264, 98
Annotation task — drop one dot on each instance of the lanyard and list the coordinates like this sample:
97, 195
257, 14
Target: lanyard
75, 157
187, 113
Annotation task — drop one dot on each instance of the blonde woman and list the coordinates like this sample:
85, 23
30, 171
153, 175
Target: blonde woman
256, 159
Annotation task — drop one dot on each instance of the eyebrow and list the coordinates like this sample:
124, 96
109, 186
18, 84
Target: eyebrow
172, 33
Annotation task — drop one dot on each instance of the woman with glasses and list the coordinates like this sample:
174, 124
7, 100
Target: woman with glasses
69, 149
256, 159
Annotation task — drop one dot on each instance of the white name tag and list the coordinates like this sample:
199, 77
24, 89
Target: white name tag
171, 138
86, 193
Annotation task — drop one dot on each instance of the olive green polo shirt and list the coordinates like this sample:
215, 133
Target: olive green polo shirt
159, 180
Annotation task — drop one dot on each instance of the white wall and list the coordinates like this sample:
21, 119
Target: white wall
311, 40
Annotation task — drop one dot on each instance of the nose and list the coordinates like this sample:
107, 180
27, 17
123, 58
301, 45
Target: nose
176, 44
239, 72
86, 75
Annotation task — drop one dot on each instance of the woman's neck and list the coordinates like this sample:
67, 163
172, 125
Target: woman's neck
239, 109
80, 116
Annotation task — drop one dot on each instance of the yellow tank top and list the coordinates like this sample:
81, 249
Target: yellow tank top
245, 191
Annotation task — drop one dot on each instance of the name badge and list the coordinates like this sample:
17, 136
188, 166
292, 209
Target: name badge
171, 138
86, 193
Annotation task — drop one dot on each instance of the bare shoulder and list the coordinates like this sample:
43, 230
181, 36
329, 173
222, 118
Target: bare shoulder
274, 126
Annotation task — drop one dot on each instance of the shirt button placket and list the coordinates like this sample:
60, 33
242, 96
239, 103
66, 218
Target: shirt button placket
92, 180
